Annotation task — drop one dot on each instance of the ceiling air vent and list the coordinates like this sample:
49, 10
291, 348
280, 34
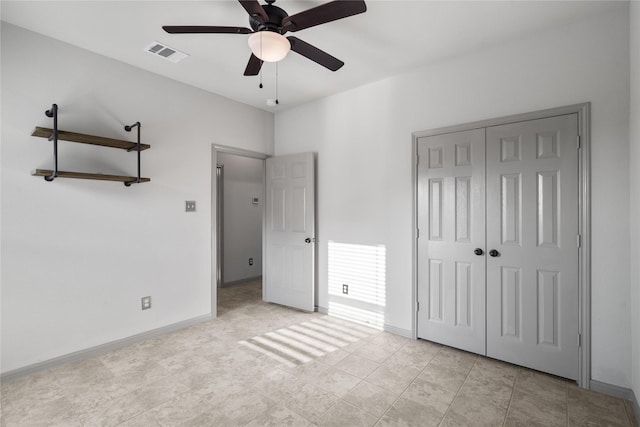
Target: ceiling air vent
165, 52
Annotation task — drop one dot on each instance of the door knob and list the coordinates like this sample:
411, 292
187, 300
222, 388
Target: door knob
494, 253
478, 251
307, 240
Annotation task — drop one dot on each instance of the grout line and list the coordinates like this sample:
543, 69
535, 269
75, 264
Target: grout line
409, 385
458, 392
566, 397
513, 391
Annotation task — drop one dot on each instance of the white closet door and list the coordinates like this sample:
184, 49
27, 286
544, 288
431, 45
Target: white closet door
451, 220
532, 224
290, 231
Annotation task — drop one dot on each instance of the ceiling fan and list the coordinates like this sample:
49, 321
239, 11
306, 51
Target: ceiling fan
269, 23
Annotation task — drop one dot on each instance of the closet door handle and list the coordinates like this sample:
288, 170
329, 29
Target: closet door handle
478, 252
494, 253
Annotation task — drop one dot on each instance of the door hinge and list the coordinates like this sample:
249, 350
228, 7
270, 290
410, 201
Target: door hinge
578, 137
417, 233
418, 306
417, 159
579, 241
579, 340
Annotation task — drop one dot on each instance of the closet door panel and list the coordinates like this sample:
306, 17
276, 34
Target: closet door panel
451, 219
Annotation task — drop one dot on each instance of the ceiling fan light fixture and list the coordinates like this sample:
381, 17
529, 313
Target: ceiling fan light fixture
269, 46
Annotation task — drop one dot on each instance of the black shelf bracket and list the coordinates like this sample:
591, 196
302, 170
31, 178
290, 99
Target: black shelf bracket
53, 112
128, 128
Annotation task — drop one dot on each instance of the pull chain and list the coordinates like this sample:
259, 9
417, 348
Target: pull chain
261, 62
277, 102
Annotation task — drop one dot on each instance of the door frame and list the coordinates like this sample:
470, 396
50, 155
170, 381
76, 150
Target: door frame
215, 149
583, 111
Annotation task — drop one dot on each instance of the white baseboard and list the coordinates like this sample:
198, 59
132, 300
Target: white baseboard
99, 349
322, 310
241, 281
617, 391
398, 331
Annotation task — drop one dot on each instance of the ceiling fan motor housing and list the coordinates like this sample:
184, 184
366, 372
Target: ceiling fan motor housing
276, 15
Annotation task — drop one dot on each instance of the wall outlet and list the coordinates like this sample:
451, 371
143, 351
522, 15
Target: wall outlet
250, 261
146, 303
345, 289
190, 206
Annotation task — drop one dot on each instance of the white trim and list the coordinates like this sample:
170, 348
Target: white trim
237, 282
617, 391
612, 390
584, 211
215, 149
322, 310
100, 349
407, 333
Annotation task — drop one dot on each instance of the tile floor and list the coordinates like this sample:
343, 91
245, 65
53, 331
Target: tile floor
264, 365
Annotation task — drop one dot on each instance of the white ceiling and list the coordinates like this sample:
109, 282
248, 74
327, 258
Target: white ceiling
392, 37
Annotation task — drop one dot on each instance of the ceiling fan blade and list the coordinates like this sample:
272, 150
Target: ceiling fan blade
195, 29
255, 10
315, 54
324, 13
253, 67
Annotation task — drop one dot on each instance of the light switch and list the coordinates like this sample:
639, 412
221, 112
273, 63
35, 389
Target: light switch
190, 206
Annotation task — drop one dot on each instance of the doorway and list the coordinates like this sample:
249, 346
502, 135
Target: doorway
501, 252
239, 202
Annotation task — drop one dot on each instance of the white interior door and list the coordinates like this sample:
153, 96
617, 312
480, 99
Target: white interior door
290, 231
532, 224
451, 222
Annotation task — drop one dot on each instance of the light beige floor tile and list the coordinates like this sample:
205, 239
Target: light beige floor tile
411, 362
427, 349
55, 412
547, 387
357, 366
632, 417
334, 357
429, 394
311, 402
279, 416
133, 404
237, 409
452, 357
393, 381
180, 409
586, 406
337, 382
375, 352
39, 387
133, 377
345, 414
446, 375
276, 383
490, 381
202, 376
528, 408
471, 411
370, 398
407, 413
145, 419
85, 372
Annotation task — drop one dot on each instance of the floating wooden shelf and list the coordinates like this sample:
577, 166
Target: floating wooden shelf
88, 139
55, 134
94, 176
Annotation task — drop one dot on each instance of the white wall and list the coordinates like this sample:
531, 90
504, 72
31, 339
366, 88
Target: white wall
77, 255
363, 141
634, 137
243, 180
